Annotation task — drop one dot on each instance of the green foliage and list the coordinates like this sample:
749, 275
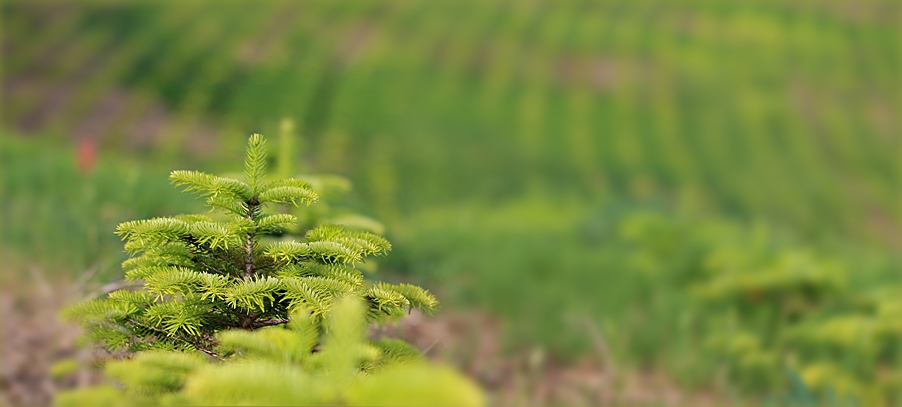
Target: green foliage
278, 365
236, 268
743, 306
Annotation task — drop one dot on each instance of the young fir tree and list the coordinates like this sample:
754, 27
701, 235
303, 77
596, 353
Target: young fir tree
204, 274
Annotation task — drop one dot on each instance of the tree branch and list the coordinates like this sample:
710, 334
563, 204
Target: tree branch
200, 248
269, 322
248, 247
168, 335
220, 272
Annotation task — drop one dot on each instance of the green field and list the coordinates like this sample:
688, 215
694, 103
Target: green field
708, 191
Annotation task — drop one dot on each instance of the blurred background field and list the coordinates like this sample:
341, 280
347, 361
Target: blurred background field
678, 202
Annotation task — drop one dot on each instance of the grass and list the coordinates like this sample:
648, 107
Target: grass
64, 218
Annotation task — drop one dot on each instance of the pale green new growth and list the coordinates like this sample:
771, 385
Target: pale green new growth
278, 365
255, 162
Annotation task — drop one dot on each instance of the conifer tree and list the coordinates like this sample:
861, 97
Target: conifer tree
235, 268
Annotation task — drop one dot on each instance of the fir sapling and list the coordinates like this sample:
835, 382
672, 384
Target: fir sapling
236, 268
